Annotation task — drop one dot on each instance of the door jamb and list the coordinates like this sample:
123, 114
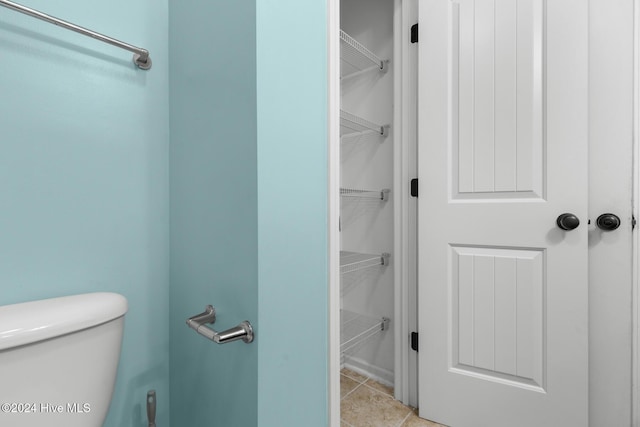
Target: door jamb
400, 295
635, 388
405, 210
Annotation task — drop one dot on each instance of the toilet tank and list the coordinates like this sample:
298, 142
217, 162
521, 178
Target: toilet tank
59, 359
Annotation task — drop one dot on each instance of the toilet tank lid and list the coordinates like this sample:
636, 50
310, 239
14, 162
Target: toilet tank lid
34, 321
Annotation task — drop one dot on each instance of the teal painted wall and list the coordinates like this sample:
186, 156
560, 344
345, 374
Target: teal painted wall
84, 176
84, 195
213, 209
292, 212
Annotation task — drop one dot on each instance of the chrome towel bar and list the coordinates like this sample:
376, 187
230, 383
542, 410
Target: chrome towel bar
140, 56
244, 331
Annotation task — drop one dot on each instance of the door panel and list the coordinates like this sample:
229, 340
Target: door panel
497, 314
502, 153
496, 53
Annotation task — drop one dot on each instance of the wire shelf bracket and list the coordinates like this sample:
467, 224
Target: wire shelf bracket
357, 59
356, 330
355, 261
352, 125
382, 195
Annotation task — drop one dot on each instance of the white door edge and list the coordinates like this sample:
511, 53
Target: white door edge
635, 395
333, 143
401, 327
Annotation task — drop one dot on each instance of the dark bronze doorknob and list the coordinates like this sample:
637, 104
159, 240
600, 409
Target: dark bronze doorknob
608, 222
568, 221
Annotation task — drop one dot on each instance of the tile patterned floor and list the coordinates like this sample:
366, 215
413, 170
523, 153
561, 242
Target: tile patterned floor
367, 403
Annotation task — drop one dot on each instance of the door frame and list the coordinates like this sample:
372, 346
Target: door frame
405, 209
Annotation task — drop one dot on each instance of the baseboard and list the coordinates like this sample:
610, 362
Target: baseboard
383, 376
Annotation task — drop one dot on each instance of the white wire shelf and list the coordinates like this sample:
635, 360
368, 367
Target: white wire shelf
356, 261
356, 59
352, 125
382, 195
356, 330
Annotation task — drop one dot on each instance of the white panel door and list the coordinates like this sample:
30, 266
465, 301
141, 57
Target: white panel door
503, 139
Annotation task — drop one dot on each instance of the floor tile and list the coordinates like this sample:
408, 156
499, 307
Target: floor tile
366, 407
415, 421
353, 375
367, 403
347, 385
380, 387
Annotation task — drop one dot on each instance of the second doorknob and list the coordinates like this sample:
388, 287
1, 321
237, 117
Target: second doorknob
608, 222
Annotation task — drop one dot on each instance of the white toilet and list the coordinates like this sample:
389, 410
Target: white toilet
58, 360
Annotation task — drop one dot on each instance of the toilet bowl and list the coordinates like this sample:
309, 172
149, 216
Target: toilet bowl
59, 359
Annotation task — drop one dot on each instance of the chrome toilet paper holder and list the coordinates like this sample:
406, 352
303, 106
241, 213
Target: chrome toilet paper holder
244, 330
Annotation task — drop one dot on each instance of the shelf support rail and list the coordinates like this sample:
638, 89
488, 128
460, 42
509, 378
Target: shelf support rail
379, 63
140, 56
382, 195
357, 341
362, 126
352, 261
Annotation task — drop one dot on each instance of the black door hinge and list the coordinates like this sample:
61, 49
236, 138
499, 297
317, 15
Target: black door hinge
414, 187
633, 222
414, 341
414, 33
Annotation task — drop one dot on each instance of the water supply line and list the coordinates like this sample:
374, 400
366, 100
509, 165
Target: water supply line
151, 408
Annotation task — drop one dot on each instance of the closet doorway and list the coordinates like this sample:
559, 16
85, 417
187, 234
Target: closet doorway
516, 118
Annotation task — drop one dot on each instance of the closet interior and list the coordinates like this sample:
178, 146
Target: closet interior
367, 197
378, 213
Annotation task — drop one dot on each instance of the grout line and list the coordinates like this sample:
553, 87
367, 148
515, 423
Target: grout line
405, 418
366, 384
354, 389
355, 379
